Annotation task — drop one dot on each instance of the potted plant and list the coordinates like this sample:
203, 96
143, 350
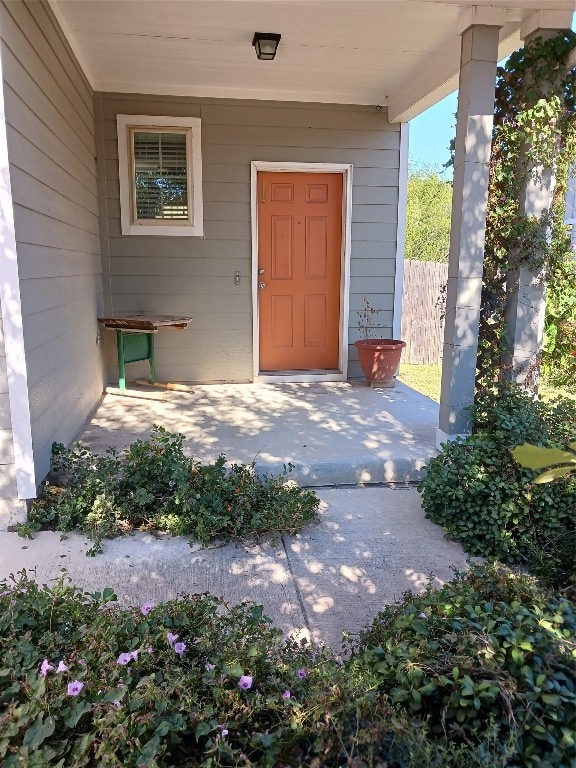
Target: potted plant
379, 358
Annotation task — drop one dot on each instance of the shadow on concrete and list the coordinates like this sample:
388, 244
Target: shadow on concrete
333, 433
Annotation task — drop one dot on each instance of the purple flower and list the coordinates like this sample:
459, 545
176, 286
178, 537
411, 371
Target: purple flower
209, 667
75, 688
150, 649
224, 732
147, 607
245, 682
124, 658
117, 704
62, 667
302, 674
422, 615
134, 655
286, 695
45, 667
179, 648
171, 639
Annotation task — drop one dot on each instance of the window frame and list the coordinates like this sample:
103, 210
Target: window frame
127, 125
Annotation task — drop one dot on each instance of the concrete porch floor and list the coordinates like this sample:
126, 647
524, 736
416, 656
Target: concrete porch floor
342, 433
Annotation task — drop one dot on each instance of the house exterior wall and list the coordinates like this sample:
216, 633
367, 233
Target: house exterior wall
51, 145
188, 275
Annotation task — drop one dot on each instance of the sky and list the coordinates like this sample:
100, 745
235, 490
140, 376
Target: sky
432, 131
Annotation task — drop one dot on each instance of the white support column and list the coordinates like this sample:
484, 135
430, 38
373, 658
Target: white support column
12, 321
479, 55
526, 306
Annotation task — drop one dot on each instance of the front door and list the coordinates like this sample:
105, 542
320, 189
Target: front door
299, 270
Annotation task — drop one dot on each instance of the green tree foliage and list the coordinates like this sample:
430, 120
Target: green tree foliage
428, 215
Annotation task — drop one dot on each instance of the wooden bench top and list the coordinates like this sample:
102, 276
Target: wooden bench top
144, 321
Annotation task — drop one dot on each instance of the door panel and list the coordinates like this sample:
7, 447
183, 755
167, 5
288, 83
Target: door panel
300, 252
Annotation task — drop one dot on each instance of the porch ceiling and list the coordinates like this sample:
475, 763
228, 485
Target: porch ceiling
403, 54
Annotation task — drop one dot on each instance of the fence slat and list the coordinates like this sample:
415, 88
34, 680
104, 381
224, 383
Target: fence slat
422, 310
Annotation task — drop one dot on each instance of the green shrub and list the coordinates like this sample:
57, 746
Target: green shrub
484, 499
490, 649
152, 484
143, 700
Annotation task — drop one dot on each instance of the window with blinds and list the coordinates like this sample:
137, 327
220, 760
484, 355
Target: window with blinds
160, 168
160, 175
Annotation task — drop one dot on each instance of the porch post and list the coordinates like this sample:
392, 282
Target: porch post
479, 54
16, 449
526, 305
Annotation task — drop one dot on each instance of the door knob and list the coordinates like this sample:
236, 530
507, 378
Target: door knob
261, 285
261, 271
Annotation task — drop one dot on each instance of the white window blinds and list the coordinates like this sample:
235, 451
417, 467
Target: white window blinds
161, 175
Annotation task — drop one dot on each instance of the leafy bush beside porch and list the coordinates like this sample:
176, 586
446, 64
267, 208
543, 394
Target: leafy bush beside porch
153, 485
488, 502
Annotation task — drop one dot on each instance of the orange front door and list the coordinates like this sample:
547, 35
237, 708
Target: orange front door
299, 258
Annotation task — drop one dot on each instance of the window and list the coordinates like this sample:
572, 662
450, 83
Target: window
160, 175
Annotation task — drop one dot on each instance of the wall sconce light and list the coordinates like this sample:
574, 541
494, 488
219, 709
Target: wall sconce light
266, 44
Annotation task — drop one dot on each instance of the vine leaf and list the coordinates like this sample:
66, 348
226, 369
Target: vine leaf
536, 457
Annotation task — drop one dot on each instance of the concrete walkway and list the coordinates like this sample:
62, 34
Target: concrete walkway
371, 545
333, 433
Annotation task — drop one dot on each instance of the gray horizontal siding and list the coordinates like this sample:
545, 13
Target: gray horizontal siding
50, 127
195, 275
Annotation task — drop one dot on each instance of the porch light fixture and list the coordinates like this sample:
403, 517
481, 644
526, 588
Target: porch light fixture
266, 44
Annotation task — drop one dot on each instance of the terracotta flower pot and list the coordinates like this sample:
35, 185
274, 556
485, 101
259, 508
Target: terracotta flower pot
379, 360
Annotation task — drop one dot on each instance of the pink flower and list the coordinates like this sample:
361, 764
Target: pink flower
302, 674
45, 667
286, 695
124, 658
171, 639
62, 667
245, 683
146, 607
179, 648
75, 688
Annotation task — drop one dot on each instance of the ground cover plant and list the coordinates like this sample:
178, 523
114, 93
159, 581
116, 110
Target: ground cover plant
487, 501
152, 484
478, 673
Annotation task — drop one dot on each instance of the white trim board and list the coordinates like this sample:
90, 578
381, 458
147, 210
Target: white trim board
346, 170
12, 322
401, 231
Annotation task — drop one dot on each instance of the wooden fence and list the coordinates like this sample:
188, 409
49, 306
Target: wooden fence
422, 311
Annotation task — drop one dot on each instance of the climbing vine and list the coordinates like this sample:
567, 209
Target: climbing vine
534, 133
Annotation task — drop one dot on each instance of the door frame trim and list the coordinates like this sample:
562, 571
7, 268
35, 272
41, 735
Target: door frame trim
345, 169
